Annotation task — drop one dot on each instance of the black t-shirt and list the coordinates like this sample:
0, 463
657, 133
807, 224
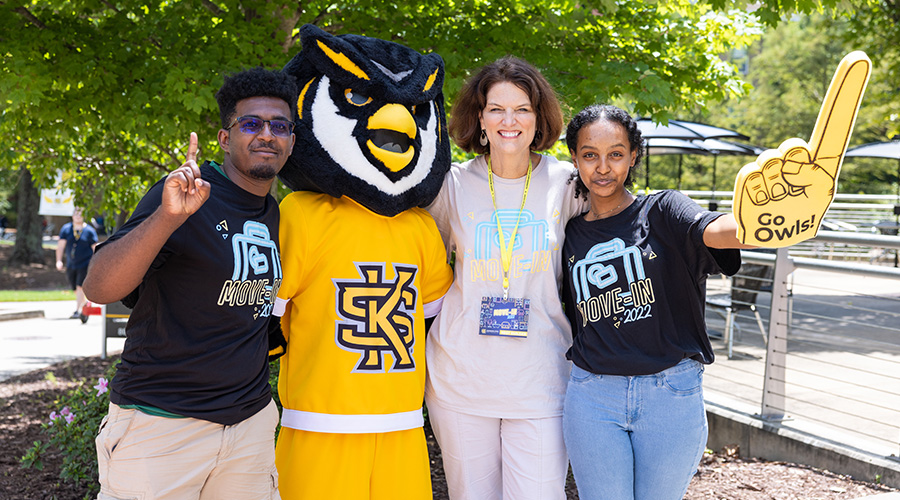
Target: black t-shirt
196, 340
634, 286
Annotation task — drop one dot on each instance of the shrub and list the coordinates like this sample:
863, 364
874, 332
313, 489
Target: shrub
71, 428
73, 424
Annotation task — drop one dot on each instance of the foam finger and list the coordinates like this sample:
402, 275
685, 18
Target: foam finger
838, 114
755, 188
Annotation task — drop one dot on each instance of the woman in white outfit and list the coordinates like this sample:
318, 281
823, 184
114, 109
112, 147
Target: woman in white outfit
497, 370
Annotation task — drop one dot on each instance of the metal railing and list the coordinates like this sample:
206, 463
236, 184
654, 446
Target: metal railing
826, 356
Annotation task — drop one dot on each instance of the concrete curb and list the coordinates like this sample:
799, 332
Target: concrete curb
9, 316
773, 441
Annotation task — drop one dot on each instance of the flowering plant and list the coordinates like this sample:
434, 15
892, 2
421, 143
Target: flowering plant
72, 427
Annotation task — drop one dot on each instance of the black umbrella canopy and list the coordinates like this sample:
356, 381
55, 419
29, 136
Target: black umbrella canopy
720, 147
693, 132
680, 129
889, 150
666, 146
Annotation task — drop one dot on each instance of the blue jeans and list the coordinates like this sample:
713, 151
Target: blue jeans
635, 438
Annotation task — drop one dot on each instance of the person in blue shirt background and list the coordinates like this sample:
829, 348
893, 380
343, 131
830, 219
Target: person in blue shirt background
76, 241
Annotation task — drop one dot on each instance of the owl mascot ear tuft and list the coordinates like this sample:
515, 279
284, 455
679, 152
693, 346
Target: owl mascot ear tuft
370, 122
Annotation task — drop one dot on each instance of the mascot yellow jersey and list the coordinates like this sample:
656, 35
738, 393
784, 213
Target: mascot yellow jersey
358, 287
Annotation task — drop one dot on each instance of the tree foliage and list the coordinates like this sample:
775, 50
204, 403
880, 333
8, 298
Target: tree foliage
107, 91
875, 27
790, 69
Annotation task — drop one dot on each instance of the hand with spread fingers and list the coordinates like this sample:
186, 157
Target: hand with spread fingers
780, 199
185, 192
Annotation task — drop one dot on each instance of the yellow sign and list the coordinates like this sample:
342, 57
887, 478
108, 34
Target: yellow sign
780, 199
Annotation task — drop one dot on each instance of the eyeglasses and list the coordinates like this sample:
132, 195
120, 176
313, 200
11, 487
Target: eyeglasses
253, 125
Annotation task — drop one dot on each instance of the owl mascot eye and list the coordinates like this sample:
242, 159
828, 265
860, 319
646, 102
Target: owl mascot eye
363, 266
371, 122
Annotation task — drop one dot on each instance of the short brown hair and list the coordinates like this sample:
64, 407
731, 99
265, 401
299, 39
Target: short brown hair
464, 127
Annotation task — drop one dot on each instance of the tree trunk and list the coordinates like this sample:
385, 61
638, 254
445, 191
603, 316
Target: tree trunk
28, 248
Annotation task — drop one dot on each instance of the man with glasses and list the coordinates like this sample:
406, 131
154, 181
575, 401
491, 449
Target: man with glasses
191, 413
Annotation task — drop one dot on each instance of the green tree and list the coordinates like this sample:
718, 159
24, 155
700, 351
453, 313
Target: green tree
875, 28
28, 248
790, 69
107, 91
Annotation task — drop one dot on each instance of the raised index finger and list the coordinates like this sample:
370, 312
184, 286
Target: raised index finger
192, 148
838, 114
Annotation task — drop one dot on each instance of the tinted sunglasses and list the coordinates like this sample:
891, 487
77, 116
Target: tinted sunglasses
253, 125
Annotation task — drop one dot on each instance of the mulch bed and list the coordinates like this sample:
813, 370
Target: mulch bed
26, 400
31, 277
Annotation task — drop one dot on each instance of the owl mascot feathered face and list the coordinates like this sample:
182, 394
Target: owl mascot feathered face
370, 122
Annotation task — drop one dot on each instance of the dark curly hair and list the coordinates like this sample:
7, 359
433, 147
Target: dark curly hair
255, 82
464, 127
609, 113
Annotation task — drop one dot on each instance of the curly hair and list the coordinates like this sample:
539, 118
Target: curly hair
610, 113
255, 82
464, 126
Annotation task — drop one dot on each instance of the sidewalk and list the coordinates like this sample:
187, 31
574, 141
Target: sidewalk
34, 335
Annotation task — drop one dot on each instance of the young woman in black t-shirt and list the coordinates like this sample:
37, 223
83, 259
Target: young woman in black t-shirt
634, 290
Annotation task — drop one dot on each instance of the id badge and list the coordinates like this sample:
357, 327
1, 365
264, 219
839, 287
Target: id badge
504, 317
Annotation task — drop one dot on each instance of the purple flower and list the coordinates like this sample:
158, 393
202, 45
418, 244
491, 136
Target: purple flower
101, 386
65, 412
69, 418
53, 417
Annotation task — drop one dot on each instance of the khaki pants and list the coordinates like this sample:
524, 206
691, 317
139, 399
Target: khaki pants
152, 458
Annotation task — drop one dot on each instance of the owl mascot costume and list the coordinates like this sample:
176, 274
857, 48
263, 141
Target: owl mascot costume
364, 266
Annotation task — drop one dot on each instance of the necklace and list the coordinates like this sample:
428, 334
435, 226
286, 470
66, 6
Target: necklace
597, 215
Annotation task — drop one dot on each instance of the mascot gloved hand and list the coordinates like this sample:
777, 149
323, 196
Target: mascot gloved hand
781, 198
363, 267
277, 342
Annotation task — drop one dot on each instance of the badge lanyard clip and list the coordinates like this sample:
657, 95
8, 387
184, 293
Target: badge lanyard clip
506, 250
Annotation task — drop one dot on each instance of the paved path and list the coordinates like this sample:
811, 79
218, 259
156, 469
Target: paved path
33, 343
842, 366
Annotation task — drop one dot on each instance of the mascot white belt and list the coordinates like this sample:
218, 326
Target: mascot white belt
364, 265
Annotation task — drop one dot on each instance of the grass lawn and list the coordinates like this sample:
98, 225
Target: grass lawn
35, 295
46, 244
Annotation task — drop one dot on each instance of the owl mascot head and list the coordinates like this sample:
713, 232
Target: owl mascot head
370, 122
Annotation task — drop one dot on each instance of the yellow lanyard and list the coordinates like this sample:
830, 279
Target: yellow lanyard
506, 250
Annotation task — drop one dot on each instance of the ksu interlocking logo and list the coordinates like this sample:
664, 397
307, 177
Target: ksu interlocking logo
377, 317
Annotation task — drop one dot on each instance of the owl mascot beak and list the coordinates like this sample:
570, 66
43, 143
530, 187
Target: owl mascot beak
370, 122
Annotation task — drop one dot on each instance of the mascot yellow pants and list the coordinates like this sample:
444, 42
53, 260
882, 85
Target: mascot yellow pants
380, 466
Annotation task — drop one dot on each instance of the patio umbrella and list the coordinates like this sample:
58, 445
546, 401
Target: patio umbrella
711, 147
666, 146
685, 130
679, 129
890, 150
718, 147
